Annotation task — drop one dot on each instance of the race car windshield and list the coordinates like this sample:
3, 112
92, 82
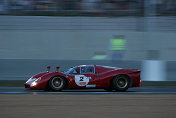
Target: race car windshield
73, 70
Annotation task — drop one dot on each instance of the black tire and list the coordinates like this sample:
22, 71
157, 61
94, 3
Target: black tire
57, 83
121, 83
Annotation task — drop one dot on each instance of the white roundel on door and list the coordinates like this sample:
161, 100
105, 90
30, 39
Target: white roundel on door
81, 80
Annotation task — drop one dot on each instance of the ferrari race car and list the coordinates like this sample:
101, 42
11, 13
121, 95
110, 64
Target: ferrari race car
85, 77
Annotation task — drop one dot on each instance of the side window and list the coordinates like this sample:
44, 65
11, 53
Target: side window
83, 69
87, 69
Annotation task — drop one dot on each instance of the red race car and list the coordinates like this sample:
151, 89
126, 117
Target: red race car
86, 77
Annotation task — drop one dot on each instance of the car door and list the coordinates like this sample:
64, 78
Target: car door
85, 79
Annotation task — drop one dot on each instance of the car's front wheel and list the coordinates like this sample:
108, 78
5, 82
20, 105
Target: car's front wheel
121, 83
57, 83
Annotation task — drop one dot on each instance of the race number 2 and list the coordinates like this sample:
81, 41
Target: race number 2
81, 80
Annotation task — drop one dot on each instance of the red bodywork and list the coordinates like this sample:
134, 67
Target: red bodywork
100, 79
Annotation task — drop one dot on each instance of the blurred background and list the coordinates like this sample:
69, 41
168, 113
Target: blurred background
135, 34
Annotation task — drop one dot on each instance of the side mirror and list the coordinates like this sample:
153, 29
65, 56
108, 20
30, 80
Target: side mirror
48, 68
57, 68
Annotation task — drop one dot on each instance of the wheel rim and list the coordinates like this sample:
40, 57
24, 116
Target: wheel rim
57, 82
122, 82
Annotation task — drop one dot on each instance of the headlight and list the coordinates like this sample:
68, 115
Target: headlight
36, 81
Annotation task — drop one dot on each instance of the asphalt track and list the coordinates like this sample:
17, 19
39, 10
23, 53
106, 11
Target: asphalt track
143, 102
141, 90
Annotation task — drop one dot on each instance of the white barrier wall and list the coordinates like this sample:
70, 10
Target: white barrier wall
153, 70
64, 44
79, 44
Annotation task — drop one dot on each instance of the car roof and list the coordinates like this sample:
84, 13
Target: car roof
85, 65
109, 67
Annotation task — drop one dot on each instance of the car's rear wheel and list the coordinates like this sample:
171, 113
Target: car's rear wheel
121, 83
57, 83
